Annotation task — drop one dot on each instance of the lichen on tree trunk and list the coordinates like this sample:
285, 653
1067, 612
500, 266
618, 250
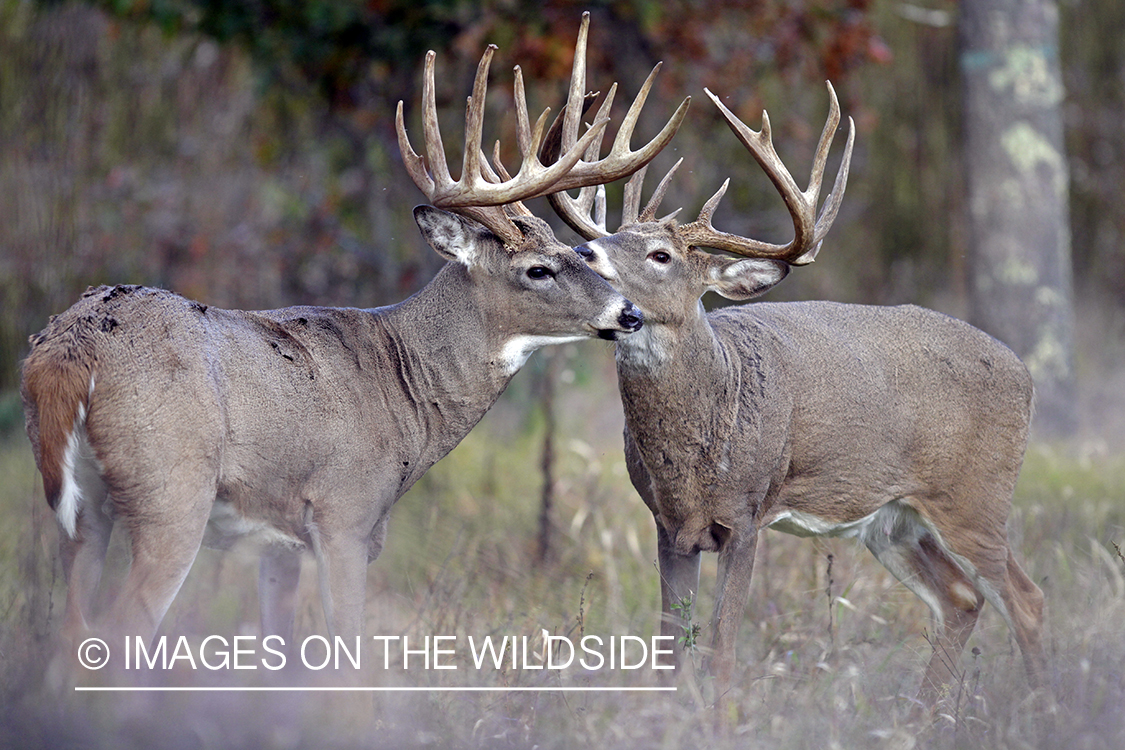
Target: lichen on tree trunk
1021, 278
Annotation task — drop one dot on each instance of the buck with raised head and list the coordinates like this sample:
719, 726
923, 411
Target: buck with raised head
897, 426
302, 426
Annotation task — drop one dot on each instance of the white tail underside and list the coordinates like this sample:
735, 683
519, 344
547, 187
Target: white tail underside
80, 471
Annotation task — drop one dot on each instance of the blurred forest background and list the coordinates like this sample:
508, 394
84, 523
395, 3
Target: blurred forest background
243, 154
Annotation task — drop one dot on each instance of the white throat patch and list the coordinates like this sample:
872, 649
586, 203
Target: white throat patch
644, 350
517, 349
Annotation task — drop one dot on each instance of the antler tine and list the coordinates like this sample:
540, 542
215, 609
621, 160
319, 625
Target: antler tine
558, 174
649, 214
532, 172
576, 101
431, 132
431, 135
500, 174
621, 161
496, 171
523, 136
835, 198
625, 132
599, 208
415, 164
808, 229
631, 199
820, 158
575, 211
474, 117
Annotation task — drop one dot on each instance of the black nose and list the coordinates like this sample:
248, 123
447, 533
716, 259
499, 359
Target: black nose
631, 317
586, 253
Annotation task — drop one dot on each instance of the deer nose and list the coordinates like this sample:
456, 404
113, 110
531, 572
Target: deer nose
631, 317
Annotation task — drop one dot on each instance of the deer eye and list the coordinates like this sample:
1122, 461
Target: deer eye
539, 272
660, 257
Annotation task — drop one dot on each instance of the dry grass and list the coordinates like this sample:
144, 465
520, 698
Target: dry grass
828, 658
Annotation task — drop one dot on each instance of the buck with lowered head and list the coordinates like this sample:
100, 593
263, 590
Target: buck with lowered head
302, 426
897, 426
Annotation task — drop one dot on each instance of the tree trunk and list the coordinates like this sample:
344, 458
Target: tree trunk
546, 392
1016, 170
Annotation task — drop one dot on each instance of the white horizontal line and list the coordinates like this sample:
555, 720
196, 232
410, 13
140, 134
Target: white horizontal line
176, 689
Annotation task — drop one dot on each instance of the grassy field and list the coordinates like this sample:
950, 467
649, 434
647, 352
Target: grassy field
831, 649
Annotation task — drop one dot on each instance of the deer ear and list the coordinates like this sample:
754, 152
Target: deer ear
454, 237
743, 279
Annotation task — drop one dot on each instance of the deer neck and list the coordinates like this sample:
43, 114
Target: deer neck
448, 357
670, 352
684, 396
680, 368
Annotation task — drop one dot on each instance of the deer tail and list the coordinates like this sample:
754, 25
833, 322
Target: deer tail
57, 383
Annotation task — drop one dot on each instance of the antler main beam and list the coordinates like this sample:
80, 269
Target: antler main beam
809, 229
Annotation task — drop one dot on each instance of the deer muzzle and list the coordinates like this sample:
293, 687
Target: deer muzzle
629, 320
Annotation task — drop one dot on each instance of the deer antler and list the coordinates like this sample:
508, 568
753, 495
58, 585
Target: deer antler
491, 196
809, 229
620, 162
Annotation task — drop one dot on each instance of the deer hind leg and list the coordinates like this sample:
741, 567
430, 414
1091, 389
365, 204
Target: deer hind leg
954, 570
166, 531
960, 604
278, 576
83, 559
906, 546
998, 578
1023, 604
979, 546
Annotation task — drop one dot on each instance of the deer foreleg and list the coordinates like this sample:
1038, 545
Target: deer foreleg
341, 563
679, 581
732, 589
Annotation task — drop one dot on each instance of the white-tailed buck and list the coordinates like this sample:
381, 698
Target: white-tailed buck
301, 427
897, 426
